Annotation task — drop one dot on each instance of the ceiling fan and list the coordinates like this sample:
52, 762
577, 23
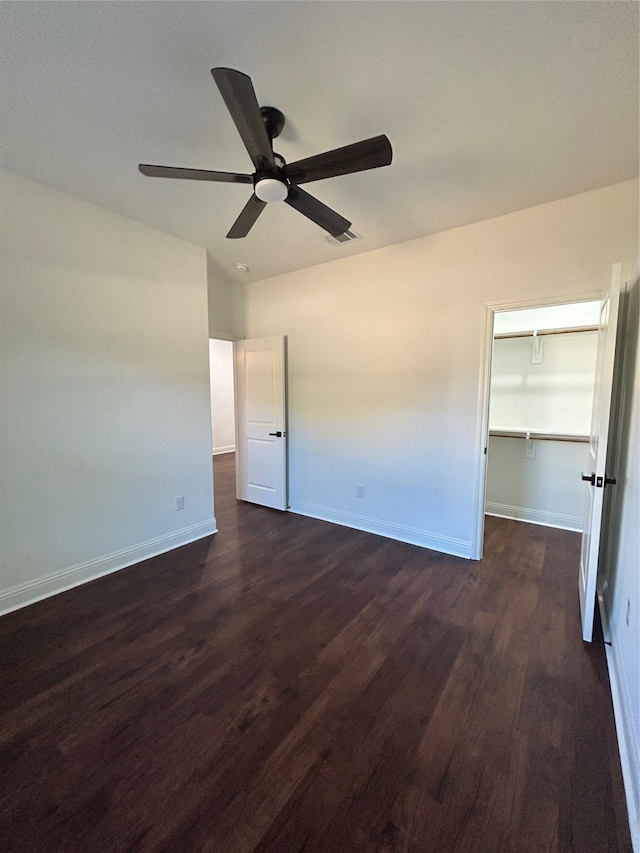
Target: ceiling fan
274, 179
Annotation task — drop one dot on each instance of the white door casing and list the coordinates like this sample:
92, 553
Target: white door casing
261, 457
596, 474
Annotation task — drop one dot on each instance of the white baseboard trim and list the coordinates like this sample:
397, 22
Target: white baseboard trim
227, 448
628, 748
445, 544
28, 593
534, 516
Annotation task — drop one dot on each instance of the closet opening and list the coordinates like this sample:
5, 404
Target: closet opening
540, 380
543, 370
548, 409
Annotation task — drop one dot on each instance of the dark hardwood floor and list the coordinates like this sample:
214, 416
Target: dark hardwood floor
291, 685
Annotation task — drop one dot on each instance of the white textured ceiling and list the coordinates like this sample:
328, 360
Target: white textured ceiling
490, 108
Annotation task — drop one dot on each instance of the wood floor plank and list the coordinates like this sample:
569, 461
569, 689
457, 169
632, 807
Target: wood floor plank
289, 685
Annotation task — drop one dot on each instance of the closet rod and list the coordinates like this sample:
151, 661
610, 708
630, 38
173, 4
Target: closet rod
539, 436
503, 335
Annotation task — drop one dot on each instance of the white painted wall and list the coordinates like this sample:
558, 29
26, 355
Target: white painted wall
223, 416
385, 358
226, 309
554, 396
544, 490
105, 412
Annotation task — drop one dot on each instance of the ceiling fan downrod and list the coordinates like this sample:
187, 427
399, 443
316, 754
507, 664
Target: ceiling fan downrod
273, 121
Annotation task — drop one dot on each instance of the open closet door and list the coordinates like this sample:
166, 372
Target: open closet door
596, 475
261, 447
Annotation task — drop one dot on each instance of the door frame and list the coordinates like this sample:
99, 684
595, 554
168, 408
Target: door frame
482, 414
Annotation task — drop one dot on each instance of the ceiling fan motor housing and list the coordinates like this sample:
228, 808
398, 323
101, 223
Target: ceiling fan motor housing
273, 121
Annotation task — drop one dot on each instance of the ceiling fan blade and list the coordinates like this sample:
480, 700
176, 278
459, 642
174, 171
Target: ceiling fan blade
238, 93
317, 211
192, 174
244, 223
368, 154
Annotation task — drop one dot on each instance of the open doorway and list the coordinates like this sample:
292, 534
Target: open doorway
223, 407
537, 403
223, 423
249, 422
571, 404
543, 370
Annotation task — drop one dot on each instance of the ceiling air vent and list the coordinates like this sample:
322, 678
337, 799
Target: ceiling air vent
347, 237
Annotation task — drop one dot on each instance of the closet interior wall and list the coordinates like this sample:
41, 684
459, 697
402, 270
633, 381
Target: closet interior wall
541, 401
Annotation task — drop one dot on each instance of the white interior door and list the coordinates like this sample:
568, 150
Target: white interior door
261, 454
596, 475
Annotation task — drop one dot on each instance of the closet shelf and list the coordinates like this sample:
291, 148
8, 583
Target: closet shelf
539, 436
540, 332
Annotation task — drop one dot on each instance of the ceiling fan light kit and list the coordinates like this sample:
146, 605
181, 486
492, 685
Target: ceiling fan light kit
274, 179
271, 189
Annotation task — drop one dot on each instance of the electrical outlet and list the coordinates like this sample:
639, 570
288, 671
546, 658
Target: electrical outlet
180, 502
359, 491
626, 618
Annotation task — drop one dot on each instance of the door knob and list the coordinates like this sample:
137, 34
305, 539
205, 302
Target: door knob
610, 481
589, 478
277, 434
